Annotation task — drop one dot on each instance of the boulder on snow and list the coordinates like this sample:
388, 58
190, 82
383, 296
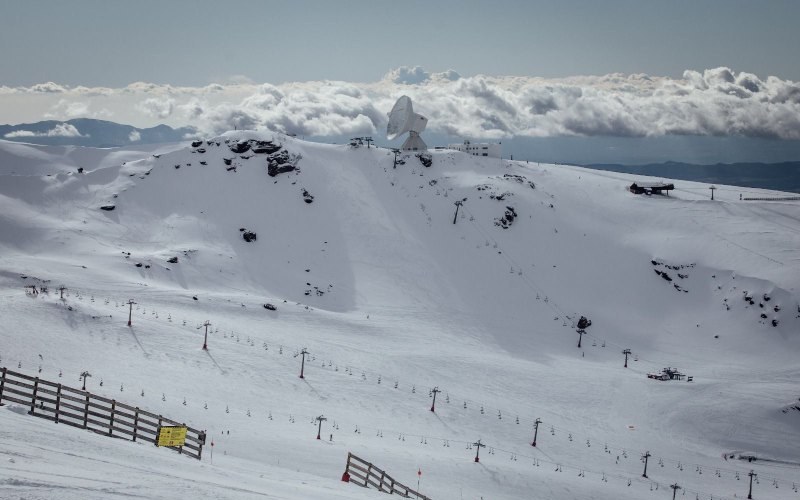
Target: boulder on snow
425, 158
173, 260
108, 208
584, 323
249, 236
265, 147
239, 147
270, 307
507, 219
307, 197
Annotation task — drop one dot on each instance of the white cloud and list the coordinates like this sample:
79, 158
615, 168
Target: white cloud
134, 136
156, 107
60, 130
48, 87
408, 75
717, 101
68, 109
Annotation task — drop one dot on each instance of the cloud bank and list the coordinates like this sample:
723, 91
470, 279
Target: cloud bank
714, 102
60, 130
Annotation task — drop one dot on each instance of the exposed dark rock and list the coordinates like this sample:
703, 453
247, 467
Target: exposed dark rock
584, 323
177, 167
196, 144
108, 208
80, 170
200, 150
240, 147
227, 160
516, 178
501, 196
138, 264
270, 307
774, 322
279, 164
307, 197
265, 147
507, 219
249, 236
203, 163
173, 260
425, 158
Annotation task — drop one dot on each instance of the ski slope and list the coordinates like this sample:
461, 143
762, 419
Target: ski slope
391, 299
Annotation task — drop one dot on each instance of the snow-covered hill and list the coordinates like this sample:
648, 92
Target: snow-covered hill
369, 272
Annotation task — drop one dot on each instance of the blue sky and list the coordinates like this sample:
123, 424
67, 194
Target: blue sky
524, 71
187, 42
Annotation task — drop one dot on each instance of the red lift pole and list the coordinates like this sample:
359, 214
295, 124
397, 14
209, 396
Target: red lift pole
536, 430
303, 361
205, 337
434, 391
320, 419
478, 445
130, 310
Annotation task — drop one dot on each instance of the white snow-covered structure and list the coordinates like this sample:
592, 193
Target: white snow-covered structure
491, 150
402, 119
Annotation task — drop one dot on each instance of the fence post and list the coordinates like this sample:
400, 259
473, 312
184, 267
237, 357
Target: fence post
158, 430
2, 384
346, 475
111, 420
380, 486
135, 423
58, 402
180, 448
202, 437
86, 413
33, 398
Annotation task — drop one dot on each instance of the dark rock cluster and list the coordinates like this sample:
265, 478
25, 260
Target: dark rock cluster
425, 158
507, 219
279, 162
249, 236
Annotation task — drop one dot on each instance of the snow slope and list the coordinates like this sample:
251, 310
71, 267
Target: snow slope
392, 298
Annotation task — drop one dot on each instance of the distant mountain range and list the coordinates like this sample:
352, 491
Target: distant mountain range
778, 176
91, 132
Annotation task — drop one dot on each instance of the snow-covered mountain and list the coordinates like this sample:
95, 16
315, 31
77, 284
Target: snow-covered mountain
394, 292
92, 132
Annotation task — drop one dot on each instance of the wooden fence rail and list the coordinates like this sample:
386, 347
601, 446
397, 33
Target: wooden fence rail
82, 409
365, 474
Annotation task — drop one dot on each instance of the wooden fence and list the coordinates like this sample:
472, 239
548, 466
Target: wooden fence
82, 409
365, 474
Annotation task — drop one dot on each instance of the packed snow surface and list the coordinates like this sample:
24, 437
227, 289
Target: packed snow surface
392, 292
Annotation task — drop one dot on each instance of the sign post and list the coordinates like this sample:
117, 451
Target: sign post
172, 435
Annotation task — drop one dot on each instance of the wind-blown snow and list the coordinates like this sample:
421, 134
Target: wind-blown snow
391, 298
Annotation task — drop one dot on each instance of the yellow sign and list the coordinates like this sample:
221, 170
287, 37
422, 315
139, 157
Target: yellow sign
171, 436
